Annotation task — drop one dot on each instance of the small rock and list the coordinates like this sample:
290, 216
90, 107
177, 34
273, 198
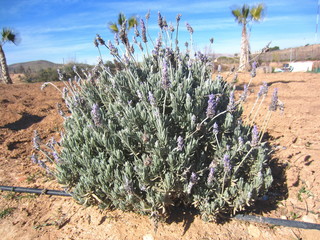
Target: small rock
148, 237
311, 218
254, 231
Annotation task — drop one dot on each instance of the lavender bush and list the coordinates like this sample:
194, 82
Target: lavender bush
159, 132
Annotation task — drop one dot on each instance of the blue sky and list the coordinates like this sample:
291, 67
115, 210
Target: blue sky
63, 30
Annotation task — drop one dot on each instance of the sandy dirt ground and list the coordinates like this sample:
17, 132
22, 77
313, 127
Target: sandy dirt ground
293, 134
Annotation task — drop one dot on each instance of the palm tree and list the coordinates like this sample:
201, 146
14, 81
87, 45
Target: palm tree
115, 27
7, 35
244, 15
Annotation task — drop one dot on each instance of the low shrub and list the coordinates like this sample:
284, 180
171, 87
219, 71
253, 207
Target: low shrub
158, 133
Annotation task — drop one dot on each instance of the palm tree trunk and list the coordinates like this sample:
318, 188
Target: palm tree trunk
244, 52
5, 77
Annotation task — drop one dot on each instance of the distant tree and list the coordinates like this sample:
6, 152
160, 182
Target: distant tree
21, 69
244, 15
7, 35
129, 23
275, 48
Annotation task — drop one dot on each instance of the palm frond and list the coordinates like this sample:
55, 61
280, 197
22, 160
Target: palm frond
121, 19
113, 27
237, 14
8, 35
257, 12
245, 11
132, 22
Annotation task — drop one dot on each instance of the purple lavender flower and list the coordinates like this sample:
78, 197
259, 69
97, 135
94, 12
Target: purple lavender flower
164, 23
211, 109
226, 163
211, 40
178, 17
202, 57
263, 89
157, 46
156, 113
171, 28
193, 180
160, 20
95, 42
96, 115
165, 75
42, 164
113, 50
34, 159
274, 102
180, 143
215, 129
134, 39
132, 49
169, 53
123, 36
240, 142
128, 186
151, 98
56, 156
60, 111
210, 176
143, 31
136, 31
255, 136
231, 104
244, 95
100, 40
116, 39
189, 28
36, 140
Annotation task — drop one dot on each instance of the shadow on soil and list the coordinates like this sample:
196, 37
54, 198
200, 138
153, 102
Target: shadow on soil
24, 122
266, 203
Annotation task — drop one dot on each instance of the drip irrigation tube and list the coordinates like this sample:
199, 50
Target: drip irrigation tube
277, 221
248, 218
35, 190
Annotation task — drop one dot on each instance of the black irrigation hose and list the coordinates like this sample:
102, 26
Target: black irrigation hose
35, 190
248, 218
278, 221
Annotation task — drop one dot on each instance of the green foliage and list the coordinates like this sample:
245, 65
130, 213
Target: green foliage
6, 212
159, 133
8, 35
122, 22
247, 13
275, 48
51, 74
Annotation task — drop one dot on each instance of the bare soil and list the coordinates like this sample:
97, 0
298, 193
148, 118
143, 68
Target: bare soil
294, 136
